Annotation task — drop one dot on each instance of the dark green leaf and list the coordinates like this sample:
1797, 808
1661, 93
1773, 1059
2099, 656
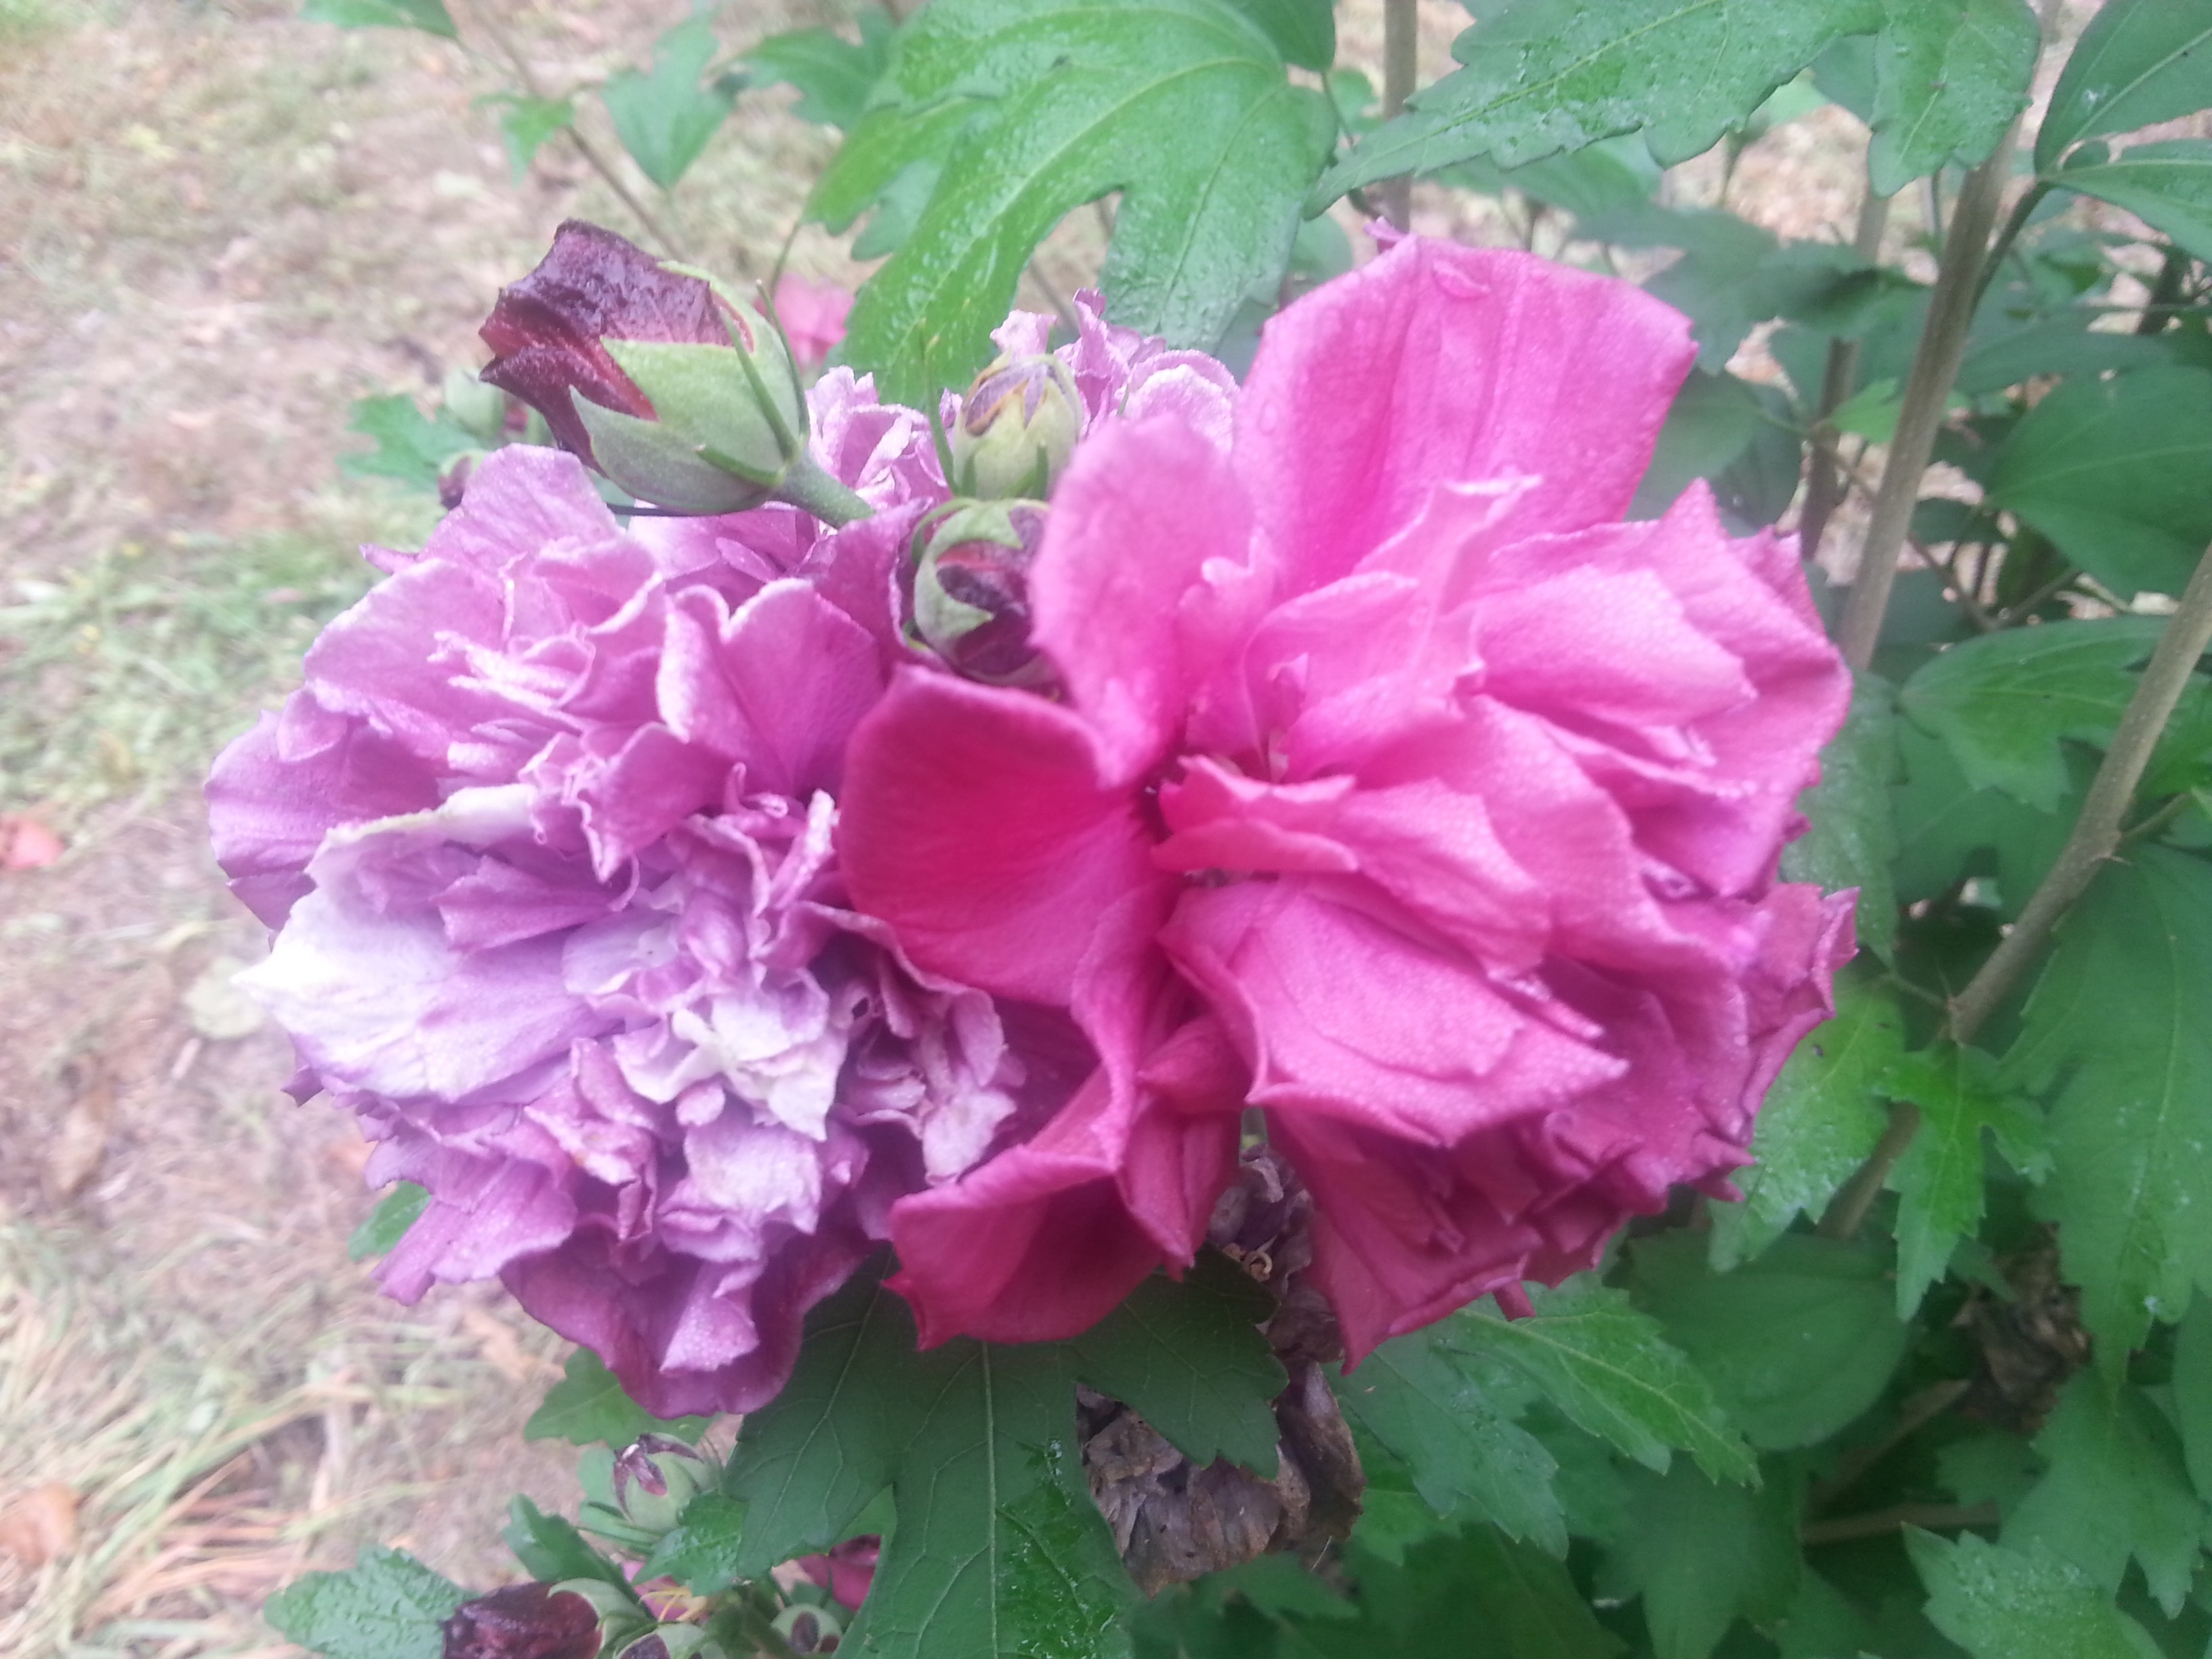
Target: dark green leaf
1947, 829
1189, 1359
2005, 702
1702, 1554
1283, 1584
1598, 178
666, 117
2109, 470
833, 76
2115, 1029
2193, 1395
1821, 1623
1993, 1467
428, 15
1796, 1344
702, 1551
1713, 420
1519, 1599
386, 1606
1821, 1119
1610, 1369
388, 1224
1466, 1457
1303, 30
2168, 185
588, 1405
2057, 345
2138, 62
527, 123
1949, 77
1939, 1179
550, 1548
1544, 75
1997, 1603
999, 1551
810, 1462
1853, 840
409, 447
1036, 106
2115, 1488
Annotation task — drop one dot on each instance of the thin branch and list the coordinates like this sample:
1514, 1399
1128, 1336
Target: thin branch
2097, 832
1054, 298
1402, 42
1927, 391
1847, 1210
1912, 1415
1896, 1518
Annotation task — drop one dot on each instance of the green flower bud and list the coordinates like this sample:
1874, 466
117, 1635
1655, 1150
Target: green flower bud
673, 1642
622, 1616
655, 1478
807, 1629
971, 602
1018, 426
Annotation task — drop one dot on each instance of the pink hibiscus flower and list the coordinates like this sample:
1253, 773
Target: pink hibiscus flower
1388, 784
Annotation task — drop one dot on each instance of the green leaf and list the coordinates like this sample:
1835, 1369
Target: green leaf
527, 123
1821, 1119
702, 1551
1949, 77
588, 1406
2138, 62
2064, 344
665, 118
1947, 829
2168, 185
1605, 177
2115, 1488
409, 447
1189, 1359
1466, 1456
428, 15
2193, 1395
387, 1605
1998, 1603
1702, 1554
833, 76
1796, 1344
1520, 1599
388, 1224
2115, 1029
2005, 702
1303, 30
1853, 840
1610, 1369
1939, 1179
550, 1548
1544, 75
1712, 421
999, 1551
1036, 106
810, 1462
2109, 470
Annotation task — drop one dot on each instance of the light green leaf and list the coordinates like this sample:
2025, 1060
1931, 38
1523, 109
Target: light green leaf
1853, 840
1189, 1359
2005, 702
1701, 1554
1939, 1179
2115, 1488
550, 1548
2138, 62
1998, 1603
999, 1551
2167, 184
388, 1224
408, 446
1303, 30
1610, 1369
1949, 77
2115, 1031
428, 15
702, 1551
665, 118
386, 1606
1036, 106
2110, 471
587, 1406
1467, 1457
1796, 1344
834, 75
1821, 1119
1544, 75
527, 123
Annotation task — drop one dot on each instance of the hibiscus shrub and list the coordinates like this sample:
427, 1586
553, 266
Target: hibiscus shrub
1268, 969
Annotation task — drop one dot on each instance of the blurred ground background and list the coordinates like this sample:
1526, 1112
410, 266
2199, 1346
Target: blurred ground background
220, 226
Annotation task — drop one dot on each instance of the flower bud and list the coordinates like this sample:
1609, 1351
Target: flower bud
523, 1621
620, 1615
655, 1478
809, 1629
1018, 426
971, 601
652, 374
847, 1571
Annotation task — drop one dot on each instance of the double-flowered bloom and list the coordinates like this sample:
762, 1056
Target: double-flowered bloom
687, 929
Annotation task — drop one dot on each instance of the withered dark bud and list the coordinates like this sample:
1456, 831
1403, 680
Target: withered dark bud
971, 602
523, 1621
